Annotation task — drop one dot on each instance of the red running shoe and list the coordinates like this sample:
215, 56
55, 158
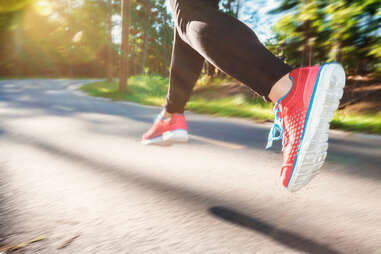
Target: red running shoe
302, 120
166, 131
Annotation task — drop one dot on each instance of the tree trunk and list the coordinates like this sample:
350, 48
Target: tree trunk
310, 52
146, 11
109, 41
20, 55
145, 42
338, 52
308, 58
124, 45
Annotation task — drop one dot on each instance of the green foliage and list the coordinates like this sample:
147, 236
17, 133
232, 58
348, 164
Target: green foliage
335, 30
41, 41
38, 39
151, 37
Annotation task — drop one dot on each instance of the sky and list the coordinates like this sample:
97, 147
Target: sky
262, 21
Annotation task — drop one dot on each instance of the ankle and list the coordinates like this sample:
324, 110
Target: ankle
280, 89
165, 114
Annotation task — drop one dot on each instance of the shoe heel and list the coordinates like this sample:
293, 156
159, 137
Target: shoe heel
176, 136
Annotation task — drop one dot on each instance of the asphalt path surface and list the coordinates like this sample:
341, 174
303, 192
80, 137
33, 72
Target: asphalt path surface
73, 166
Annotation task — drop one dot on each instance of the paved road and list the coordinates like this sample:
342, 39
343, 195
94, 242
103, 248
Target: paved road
71, 164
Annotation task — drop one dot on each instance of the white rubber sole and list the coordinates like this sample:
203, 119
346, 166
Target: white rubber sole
314, 143
168, 138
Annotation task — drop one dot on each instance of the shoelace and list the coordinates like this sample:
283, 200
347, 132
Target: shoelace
159, 116
276, 128
278, 124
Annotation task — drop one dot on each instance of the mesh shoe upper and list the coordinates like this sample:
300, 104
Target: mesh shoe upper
291, 113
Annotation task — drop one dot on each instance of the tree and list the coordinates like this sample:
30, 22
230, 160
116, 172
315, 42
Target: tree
299, 31
48, 49
109, 40
124, 45
151, 37
316, 31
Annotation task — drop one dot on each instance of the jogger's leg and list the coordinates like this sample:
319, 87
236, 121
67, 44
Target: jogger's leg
303, 108
186, 66
228, 44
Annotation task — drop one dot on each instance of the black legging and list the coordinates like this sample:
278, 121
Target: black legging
203, 32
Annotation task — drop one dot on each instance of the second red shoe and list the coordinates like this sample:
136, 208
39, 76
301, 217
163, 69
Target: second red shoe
167, 130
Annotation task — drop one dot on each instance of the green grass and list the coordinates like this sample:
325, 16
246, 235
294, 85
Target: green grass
368, 123
152, 90
45, 77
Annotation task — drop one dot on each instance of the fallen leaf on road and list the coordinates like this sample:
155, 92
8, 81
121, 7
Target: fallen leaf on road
8, 249
67, 242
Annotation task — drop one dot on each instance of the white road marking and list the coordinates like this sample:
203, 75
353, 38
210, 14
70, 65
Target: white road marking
217, 142
62, 108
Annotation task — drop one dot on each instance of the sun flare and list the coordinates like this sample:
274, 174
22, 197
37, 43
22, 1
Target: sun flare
43, 7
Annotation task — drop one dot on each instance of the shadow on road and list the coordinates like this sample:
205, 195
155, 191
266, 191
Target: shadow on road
5, 218
5, 210
284, 237
185, 196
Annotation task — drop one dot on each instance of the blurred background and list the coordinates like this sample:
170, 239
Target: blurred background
74, 175
81, 39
